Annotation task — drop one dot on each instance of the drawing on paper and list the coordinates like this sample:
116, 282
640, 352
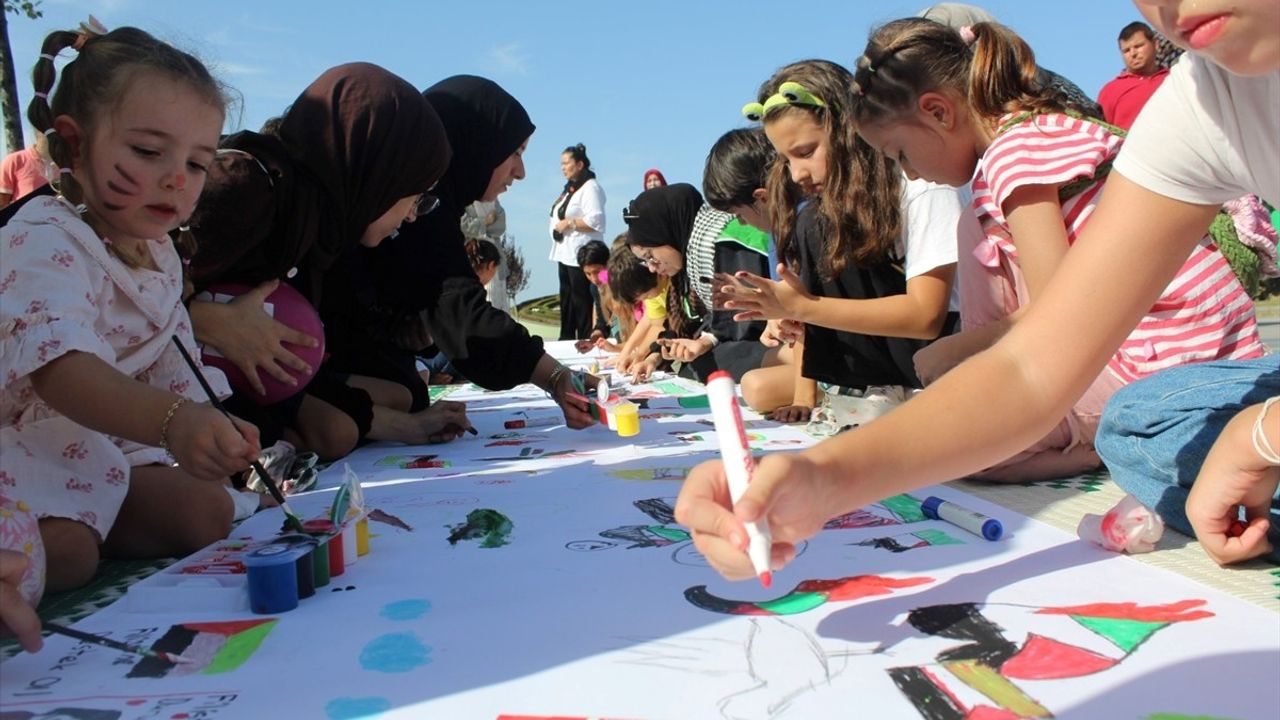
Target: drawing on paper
646, 474
382, 516
532, 454
414, 462
989, 662
490, 527
896, 510
911, 541
217, 647
806, 596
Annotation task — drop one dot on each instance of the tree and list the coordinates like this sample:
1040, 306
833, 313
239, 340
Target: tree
513, 258
8, 82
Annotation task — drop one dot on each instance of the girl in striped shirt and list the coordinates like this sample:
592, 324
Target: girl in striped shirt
963, 107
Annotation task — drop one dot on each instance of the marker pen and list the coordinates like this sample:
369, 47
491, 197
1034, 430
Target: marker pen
738, 464
935, 508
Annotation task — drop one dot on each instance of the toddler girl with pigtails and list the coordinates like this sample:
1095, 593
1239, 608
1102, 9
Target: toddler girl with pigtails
96, 402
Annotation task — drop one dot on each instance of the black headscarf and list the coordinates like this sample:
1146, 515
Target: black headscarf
355, 142
663, 216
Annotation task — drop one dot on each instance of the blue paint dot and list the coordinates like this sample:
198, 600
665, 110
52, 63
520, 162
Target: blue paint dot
354, 708
395, 653
406, 609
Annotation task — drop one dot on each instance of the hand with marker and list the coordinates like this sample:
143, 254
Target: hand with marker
444, 421
250, 338
1234, 476
569, 396
17, 617
787, 489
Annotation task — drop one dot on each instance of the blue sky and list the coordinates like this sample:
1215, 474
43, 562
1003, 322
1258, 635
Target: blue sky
648, 84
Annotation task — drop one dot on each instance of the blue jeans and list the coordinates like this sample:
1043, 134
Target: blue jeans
1155, 433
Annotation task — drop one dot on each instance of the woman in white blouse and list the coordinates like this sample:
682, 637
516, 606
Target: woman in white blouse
577, 217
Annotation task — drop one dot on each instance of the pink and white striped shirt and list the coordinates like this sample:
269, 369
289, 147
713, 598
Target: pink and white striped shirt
1203, 314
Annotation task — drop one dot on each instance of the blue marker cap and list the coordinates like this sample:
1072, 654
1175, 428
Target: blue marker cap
992, 529
976, 523
930, 507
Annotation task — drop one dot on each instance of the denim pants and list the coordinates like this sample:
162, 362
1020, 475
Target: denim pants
1156, 432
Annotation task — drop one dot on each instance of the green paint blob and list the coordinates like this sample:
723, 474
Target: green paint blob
694, 401
905, 507
669, 533
238, 649
937, 537
792, 603
490, 526
1124, 634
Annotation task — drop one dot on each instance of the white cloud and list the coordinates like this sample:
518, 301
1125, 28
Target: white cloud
509, 58
237, 69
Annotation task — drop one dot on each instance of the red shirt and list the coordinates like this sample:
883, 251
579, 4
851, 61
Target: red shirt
1122, 99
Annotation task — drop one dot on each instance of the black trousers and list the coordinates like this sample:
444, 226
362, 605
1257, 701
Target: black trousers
575, 303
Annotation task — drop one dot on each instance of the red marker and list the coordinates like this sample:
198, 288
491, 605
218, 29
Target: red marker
1237, 529
530, 422
735, 453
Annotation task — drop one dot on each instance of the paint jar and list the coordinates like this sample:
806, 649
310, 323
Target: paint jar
627, 418
362, 536
349, 551
324, 533
273, 578
305, 565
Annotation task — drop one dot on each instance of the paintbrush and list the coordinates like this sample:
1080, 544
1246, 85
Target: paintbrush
294, 521
172, 658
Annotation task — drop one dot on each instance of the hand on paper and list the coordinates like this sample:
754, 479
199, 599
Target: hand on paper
760, 298
607, 345
250, 338
209, 447
683, 349
17, 617
1233, 476
444, 421
786, 489
640, 371
575, 410
791, 413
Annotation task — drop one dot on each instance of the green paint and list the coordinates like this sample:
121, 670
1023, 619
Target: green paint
435, 392
792, 603
1124, 634
669, 533
491, 525
694, 401
937, 537
239, 648
1276, 574
905, 507
1003, 693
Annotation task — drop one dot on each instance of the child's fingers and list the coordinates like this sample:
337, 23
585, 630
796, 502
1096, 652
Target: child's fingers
19, 618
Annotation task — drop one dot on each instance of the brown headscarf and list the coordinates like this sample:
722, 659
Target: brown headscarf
356, 141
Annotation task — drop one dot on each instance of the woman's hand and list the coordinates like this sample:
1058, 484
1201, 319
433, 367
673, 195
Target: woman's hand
444, 421
786, 489
760, 298
795, 413
684, 349
250, 338
565, 226
572, 399
207, 445
1233, 476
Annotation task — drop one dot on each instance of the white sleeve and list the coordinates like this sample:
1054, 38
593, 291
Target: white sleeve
592, 204
933, 217
1206, 136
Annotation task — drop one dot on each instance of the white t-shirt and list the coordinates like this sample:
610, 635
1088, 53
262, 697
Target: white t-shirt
587, 204
936, 221
1207, 136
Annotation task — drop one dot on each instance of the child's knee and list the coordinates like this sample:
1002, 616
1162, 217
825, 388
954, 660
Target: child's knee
70, 553
333, 439
209, 521
755, 390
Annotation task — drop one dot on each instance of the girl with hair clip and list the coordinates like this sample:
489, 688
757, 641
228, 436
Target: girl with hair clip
96, 402
868, 260
422, 276
1210, 134
676, 236
351, 160
1040, 167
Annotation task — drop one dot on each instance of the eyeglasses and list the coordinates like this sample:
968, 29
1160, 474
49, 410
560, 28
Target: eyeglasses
424, 204
648, 259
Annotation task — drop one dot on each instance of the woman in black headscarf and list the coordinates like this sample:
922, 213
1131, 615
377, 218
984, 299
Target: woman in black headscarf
676, 235
349, 162
418, 287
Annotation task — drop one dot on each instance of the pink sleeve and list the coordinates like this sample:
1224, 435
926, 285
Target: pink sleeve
8, 179
1049, 150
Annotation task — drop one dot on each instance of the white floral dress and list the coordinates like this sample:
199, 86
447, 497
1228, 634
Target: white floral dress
61, 291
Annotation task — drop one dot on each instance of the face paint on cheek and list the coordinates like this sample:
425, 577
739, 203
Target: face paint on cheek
122, 183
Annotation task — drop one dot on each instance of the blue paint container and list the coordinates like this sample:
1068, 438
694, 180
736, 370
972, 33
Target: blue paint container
273, 577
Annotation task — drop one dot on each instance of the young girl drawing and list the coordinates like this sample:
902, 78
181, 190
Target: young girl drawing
1213, 139
869, 259
96, 402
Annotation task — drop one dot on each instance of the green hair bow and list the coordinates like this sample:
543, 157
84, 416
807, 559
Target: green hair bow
789, 93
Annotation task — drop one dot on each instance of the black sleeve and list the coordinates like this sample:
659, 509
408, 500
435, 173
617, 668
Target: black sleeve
425, 268
731, 257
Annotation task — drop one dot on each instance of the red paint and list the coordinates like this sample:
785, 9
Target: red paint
859, 586
230, 627
986, 712
1171, 612
1043, 658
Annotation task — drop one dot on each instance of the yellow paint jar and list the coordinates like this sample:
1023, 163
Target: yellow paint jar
362, 536
626, 418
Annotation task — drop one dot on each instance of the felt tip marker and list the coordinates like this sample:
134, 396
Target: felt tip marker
935, 508
530, 423
735, 453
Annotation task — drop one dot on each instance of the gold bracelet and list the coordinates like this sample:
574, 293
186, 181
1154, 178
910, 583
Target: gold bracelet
164, 426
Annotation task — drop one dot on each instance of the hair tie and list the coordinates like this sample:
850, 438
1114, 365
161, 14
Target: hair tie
789, 93
65, 171
43, 95
50, 132
49, 57
88, 30
967, 35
